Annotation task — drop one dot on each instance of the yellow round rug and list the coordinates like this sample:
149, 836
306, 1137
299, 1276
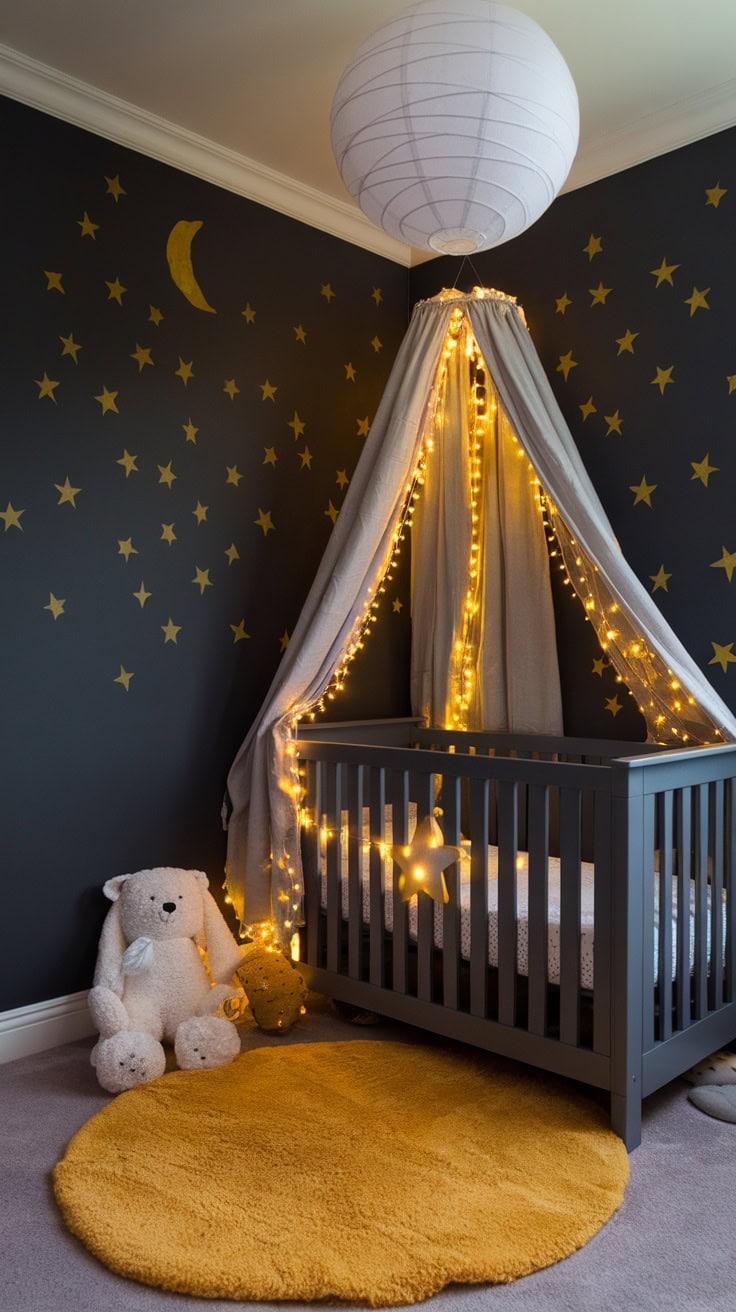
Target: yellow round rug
373, 1172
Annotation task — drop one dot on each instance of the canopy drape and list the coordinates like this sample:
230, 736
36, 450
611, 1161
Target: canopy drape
261, 809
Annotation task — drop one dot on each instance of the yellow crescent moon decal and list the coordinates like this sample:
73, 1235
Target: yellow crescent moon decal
178, 254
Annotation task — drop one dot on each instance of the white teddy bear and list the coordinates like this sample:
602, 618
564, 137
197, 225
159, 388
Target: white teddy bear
151, 982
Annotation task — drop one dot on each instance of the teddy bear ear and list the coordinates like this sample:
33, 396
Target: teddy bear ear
201, 877
114, 887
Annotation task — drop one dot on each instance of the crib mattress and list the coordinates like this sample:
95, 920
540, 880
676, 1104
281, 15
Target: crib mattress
587, 892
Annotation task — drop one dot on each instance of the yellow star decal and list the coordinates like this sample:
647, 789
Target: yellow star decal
660, 579
71, 347
349, 373
249, 313
731, 380
141, 595
53, 281
185, 370
363, 426
88, 227
594, 247
562, 303
115, 291
327, 292
47, 386
377, 344
155, 316
723, 655
664, 273
306, 458
727, 562
566, 364
599, 294
698, 300
239, 632
614, 422
423, 861
170, 631
599, 666
643, 492
662, 378
715, 195
265, 522
377, 295
270, 457
67, 493
200, 512
614, 706
128, 463
12, 517
124, 678
626, 343
284, 640
168, 534
331, 512
398, 605
166, 474
142, 355
587, 409
268, 391
300, 334
233, 475
108, 401
703, 469
298, 426
231, 387
232, 554
202, 579
190, 431
126, 548
55, 605
342, 479
114, 188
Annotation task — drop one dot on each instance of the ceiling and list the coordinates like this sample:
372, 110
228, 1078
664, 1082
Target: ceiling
239, 91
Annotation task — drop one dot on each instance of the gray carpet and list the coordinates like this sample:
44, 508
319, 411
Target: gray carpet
670, 1248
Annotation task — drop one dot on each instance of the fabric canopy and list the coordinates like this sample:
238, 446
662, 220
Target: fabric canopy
261, 809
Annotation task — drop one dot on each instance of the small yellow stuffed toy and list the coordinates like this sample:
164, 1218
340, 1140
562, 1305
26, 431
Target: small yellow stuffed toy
274, 988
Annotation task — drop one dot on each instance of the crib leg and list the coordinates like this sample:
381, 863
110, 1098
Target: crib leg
626, 1118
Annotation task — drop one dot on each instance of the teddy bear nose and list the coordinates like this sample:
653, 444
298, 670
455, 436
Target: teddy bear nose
169, 906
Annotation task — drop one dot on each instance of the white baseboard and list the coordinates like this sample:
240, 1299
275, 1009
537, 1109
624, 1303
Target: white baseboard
44, 1025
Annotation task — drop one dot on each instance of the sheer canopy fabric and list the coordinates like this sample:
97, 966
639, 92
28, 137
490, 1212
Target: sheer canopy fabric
261, 808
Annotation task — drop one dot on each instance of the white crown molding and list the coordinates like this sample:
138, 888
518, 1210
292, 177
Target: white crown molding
655, 134
64, 97
43, 1025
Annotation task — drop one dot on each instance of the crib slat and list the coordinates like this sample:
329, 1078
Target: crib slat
683, 797
730, 880
451, 909
312, 862
700, 844
570, 857
538, 907
479, 828
377, 813
602, 918
333, 862
715, 844
400, 940
647, 924
507, 918
664, 938
355, 792
425, 904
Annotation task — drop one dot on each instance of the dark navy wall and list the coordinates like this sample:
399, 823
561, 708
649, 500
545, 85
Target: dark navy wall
159, 529
629, 288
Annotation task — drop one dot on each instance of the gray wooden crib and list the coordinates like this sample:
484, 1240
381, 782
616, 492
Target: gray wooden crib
568, 845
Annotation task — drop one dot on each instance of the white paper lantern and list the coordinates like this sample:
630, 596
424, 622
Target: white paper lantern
455, 126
